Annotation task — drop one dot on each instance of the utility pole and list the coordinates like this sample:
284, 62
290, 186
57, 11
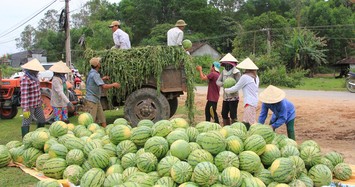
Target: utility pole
268, 42
67, 35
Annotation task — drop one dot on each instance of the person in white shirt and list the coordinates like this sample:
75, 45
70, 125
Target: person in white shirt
120, 37
176, 34
249, 83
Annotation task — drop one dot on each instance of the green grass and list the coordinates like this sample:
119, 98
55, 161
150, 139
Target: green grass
323, 83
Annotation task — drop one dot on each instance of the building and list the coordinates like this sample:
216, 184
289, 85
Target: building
20, 58
202, 49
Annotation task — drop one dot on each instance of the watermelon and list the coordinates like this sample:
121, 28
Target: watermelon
162, 128
282, 170
157, 145
309, 143
41, 160
181, 149
230, 176
75, 157
147, 162
58, 128
310, 155
63, 138
142, 179
229, 82
166, 182
270, 154
145, 122
73, 173
54, 168
326, 162
16, 154
179, 123
289, 150
5, 156
192, 133
85, 119
71, 127
111, 149
89, 146
194, 146
205, 174
30, 156
124, 147
249, 161
115, 168
93, 127
186, 44
93, 178
306, 180
119, 133
188, 184
120, 121
198, 156
57, 150
320, 175
297, 183
235, 144
263, 130
113, 179
128, 160
213, 142
141, 134
48, 183
27, 140
128, 172
265, 176
299, 165
226, 159
342, 171
334, 157
181, 172
74, 143
99, 158
177, 135
255, 143
165, 165
13, 144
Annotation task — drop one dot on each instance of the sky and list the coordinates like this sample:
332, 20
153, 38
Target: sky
15, 13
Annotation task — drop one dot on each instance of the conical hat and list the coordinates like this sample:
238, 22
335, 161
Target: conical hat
229, 58
60, 67
272, 95
247, 64
33, 65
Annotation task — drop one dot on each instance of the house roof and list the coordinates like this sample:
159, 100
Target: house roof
196, 46
348, 60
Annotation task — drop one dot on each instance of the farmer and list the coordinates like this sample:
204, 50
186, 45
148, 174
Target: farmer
273, 98
249, 83
31, 101
120, 37
212, 91
176, 34
60, 95
94, 85
230, 100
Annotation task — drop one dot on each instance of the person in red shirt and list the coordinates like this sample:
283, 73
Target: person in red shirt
212, 91
31, 101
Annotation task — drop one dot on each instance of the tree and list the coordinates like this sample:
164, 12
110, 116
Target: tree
227, 7
49, 22
26, 40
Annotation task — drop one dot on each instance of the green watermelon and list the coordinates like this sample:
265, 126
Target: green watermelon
335, 157
141, 134
113, 179
85, 119
320, 175
48, 183
181, 149
73, 173
270, 154
179, 123
147, 162
230, 176
162, 128
41, 160
30, 156
192, 133
99, 158
124, 147
58, 128
75, 157
213, 142
229, 82
198, 156
93, 178
57, 150
5, 156
165, 165
128, 160
342, 171
115, 168
255, 143
157, 145
177, 135
205, 174
119, 133
145, 122
166, 182
226, 159
282, 170
54, 168
249, 161
181, 172
310, 155
186, 44
263, 130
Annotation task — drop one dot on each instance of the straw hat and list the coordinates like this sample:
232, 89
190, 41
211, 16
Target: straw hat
60, 67
95, 61
247, 64
272, 95
180, 23
228, 58
114, 23
33, 65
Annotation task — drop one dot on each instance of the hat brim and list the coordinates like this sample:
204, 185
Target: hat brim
231, 63
180, 25
272, 95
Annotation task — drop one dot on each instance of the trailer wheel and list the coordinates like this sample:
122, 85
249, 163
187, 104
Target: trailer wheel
146, 103
8, 113
173, 106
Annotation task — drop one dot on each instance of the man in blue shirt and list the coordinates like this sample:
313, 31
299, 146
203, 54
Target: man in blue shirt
283, 110
94, 85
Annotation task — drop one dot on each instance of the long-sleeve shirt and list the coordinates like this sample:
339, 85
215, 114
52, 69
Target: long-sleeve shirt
249, 86
283, 112
58, 97
175, 36
121, 39
30, 93
234, 73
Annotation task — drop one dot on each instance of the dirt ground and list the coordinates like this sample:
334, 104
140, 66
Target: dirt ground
326, 117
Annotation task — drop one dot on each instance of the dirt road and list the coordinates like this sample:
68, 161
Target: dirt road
328, 117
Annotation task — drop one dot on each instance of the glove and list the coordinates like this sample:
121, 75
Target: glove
27, 114
70, 105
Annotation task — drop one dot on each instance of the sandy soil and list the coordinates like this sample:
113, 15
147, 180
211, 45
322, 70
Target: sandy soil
326, 117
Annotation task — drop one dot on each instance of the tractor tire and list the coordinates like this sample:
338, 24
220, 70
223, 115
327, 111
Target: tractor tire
146, 103
173, 105
8, 113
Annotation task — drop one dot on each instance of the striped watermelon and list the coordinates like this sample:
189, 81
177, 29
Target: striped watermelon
249, 161
165, 165
194, 146
213, 142
85, 119
17, 154
54, 168
73, 173
289, 150
48, 144
279, 139
309, 143
192, 133
89, 146
270, 154
181, 172
282, 170
299, 165
145, 122
5, 156
157, 145
30, 156
255, 143
57, 150
188, 184
179, 123
128, 160
99, 158
311, 156
326, 162
342, 171
239, 126
198, 156
162, 128
58, 128
74, 143
116, 168
226, 159
177, 135
75, 157
128, 172
111, 149
48, 183
205, 174
265, 176
264, 131
119, 133
306, 180
27, 140
113, 179
93, 178
141, 134
297, 183
166, 182
143, 179
259, 182
13, 144
93, 127
114, 160
63, 138
97, 135
124, 147
41, 160
147, 162
235, 144
120, 121
86, 166
320, 175
230, 176
181, 149
154, 175
335, 157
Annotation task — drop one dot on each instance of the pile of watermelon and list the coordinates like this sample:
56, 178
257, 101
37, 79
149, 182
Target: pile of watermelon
171, 153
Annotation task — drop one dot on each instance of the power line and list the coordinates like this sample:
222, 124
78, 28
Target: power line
19, 25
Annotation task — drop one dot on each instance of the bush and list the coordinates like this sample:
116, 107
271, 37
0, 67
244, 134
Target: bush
279, 77
206, 63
